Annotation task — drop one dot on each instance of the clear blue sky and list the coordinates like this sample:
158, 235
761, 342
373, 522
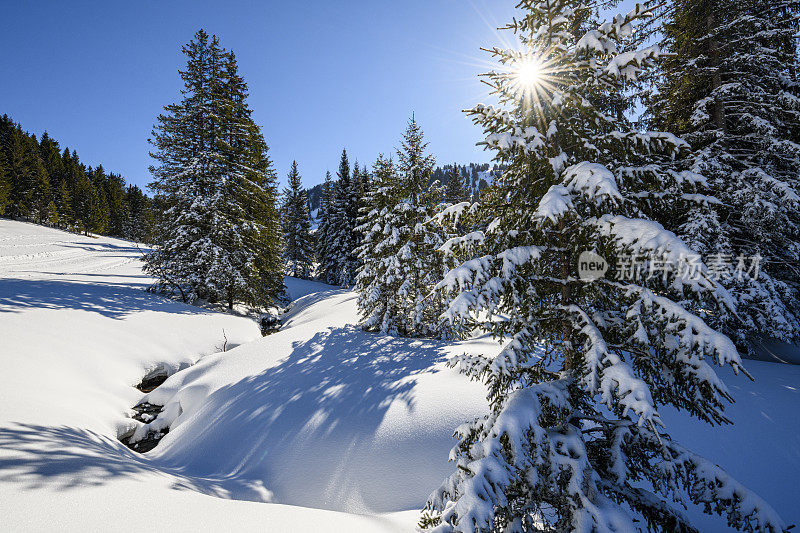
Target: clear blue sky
323, 75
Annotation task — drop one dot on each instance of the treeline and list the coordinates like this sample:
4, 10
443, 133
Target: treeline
476, 177
375, 233
42, 183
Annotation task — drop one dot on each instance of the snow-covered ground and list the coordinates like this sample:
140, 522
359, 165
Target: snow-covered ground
318, 427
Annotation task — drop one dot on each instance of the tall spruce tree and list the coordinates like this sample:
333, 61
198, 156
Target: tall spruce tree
63, 202
456, 190
574, 440
343, 237
326, 268
219, 234
378, 282
251, 192
731, 90
400, 262
298, 253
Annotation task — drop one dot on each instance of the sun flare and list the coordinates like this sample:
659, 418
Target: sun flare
528, 73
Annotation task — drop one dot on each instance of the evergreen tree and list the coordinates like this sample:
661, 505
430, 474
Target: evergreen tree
731, 90
63, 204
298, 253
52, 214
21, 191
82, 199
456, 190
325, 255
50, 153
139, 226
252, 191
219, 235
114, 186
378, 282
343, 236
36, 181
574, 440
5, 182
96, 220
401, 264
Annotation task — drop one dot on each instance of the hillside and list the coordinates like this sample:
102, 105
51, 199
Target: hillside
317, 427
477, 177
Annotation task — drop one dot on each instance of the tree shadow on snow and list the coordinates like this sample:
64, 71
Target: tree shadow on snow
64, 458
126, 248
307, 426
108, 299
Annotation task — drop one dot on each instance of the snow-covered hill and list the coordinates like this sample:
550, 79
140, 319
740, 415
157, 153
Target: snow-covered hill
338, 429
77, 332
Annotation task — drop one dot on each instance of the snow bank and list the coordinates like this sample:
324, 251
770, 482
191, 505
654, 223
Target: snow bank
77, 333
323, 413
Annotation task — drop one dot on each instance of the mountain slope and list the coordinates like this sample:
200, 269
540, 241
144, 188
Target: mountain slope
338, 429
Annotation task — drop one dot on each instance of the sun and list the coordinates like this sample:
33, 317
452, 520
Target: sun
528, 73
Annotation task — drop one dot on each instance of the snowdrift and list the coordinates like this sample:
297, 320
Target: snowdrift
77, 332
321, 412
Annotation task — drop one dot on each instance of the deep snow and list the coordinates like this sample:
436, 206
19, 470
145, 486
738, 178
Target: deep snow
342, 430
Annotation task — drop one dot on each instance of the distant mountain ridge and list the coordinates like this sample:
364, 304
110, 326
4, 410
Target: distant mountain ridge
479, 176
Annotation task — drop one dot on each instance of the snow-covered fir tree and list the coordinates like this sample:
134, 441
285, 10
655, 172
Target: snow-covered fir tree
401, 264
342, 236
298, 252
574, 440
219, 235
731, 90
326, 266
456, 190
378, 281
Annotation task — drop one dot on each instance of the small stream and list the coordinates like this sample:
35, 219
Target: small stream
147, 412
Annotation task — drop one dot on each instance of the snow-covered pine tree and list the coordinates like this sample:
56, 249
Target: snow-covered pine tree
219, 236
344, 238
731, 90
254, 188
574, 440
401, 264
326, 265
378, 281
298, 253
456, 190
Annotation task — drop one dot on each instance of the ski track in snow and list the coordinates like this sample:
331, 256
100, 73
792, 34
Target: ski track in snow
319, 427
